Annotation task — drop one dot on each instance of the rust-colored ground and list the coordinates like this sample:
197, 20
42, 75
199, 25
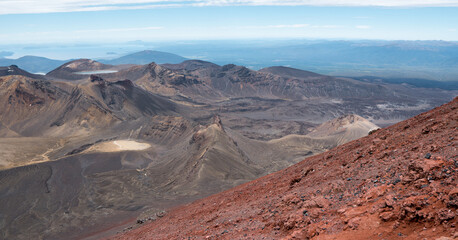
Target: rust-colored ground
397, 183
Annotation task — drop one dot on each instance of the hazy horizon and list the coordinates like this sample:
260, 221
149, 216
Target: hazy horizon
108, 50
109, 21
434, 60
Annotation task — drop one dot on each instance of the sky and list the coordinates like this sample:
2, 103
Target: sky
87, 21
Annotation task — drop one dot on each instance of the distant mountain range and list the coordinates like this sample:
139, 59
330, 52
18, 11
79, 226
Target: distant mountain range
433, 60
35, 64
420, 64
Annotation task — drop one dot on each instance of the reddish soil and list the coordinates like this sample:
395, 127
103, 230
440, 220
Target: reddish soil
397, 183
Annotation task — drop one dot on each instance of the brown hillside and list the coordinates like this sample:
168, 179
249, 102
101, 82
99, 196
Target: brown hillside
397, 183
69, 70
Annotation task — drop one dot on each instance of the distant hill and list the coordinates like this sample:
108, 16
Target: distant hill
69, 70
145, 57
33, 64
417, 82
15, 70
289, 72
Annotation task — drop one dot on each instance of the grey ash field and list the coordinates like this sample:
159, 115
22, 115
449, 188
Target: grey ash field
84, 156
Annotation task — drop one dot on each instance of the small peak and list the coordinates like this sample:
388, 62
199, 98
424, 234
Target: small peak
12, 69
15, 70
84, 64
152, 65
95, 78
191, 65
217, 120
154, 69
351, 118
351, 122
100, 82
228, 67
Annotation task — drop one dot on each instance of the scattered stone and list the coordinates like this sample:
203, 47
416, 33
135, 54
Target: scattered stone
160, 214
445, 214
354, 223
387, 216
305, 213
452, 200
425, 130
375, 192
396, 181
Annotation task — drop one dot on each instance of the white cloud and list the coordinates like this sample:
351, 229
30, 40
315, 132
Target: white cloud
363, 27
47, 6
295, 26
288, 26
281, 26
385, 3
326, 26
72, 33
118, 30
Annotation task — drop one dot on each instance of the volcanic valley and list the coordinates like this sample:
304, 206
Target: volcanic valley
196, 150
